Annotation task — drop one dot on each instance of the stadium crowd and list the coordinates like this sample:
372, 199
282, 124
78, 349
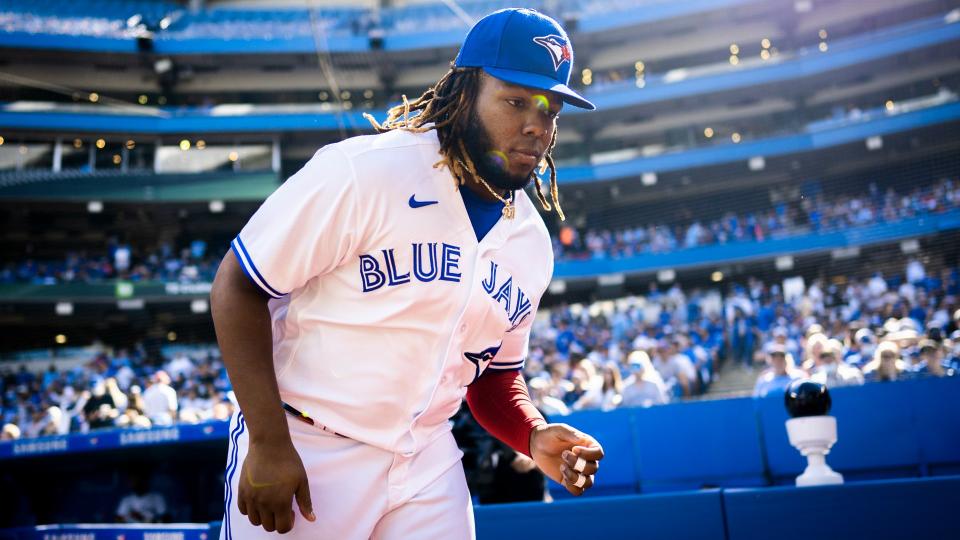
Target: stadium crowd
193, 264
817, 213
126, 389
666, 345
636, 351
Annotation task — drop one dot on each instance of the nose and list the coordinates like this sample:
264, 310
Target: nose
537, 125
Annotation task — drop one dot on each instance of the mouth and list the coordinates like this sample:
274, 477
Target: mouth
525, 157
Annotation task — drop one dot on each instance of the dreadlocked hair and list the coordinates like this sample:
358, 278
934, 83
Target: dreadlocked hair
447, 108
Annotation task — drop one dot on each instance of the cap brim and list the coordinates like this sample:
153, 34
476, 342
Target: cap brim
531, 80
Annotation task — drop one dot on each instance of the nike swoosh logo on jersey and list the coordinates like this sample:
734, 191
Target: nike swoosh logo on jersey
414, 203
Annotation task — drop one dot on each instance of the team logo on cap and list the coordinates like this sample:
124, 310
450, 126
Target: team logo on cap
557, 46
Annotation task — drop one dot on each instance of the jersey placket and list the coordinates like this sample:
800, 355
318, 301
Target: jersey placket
473, 306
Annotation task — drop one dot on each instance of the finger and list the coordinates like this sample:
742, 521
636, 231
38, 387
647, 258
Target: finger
268, 521
593, 452
303, 500
242, 505
254, 516
284, 520
576, 480
579, 463
570, 487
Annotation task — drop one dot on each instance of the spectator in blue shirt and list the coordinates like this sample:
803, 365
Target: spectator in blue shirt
779, 373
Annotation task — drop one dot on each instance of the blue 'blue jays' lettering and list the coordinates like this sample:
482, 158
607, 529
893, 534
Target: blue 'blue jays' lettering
418, 262
509, 296
481, 359
392, 277
451, 261
376, 272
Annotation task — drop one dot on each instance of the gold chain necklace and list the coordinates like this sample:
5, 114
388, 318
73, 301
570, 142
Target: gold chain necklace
509, 210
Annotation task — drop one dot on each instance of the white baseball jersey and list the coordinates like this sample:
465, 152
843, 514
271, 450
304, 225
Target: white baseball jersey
384, 304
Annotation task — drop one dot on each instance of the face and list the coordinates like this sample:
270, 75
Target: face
510, 131
778, 361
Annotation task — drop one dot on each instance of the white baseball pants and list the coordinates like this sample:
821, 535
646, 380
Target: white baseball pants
360, 491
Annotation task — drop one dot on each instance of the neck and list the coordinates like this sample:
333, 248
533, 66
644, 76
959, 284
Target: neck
473, 184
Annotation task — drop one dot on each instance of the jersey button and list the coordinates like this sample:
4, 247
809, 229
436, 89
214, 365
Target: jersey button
463, 328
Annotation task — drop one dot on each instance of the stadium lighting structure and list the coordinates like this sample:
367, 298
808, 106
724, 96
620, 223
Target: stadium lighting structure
734, 49
184, 144
60, 339
216, 206
171, 336
822, 33
889, 105
77, 143
63, 309
666, 275
162, 66
558, 286
95, 207
101, 144
757, 163
874, 143
94, 97
131, 144
784, 263
708, 132
142, 99
716, 277
611, 280
765, 54
803, 6
233, 156
648, 178
201, 144
199, 306
910, 246
735, 137
734, 59
823, 46
765, 43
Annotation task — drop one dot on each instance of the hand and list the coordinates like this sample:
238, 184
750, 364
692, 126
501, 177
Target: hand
270, 478
556, 447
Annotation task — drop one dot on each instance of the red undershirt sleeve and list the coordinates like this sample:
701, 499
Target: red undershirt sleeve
501, 404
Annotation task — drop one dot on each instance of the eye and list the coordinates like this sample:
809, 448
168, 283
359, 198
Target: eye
514, 102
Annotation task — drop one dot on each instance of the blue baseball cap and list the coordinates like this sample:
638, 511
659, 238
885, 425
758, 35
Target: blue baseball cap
523, 47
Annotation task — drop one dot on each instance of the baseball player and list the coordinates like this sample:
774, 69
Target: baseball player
390, 277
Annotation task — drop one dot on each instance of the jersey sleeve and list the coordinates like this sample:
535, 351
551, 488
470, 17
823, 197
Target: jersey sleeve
516, 344
306, 228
